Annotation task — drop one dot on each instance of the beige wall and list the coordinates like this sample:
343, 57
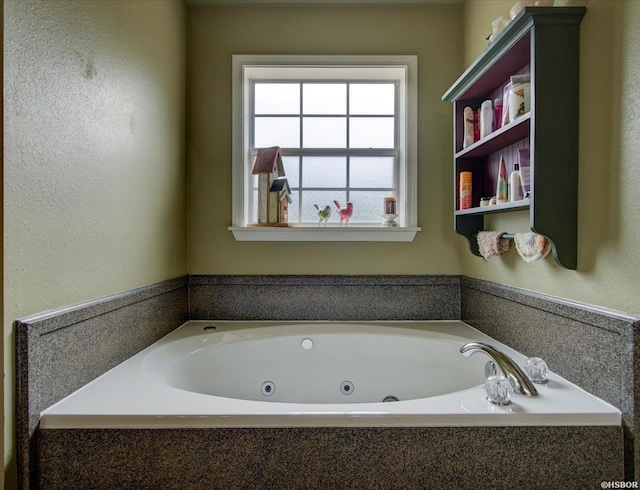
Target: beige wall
95, 176
94, 156
478, 15
609, 174
215, 33
2, 416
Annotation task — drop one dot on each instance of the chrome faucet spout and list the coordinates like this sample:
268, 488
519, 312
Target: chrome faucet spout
516, 376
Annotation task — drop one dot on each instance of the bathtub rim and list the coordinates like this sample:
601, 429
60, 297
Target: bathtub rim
409, 413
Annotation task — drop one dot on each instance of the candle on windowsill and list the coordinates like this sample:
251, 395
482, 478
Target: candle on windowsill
390, 205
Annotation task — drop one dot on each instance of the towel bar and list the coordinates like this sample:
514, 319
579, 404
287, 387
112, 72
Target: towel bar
508, 236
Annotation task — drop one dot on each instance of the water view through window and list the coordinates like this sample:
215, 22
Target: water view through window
339, 141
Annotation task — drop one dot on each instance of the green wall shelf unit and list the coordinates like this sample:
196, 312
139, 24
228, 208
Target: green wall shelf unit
543, 42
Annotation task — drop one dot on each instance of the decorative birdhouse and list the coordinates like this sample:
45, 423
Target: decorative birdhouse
279, 200
268, 167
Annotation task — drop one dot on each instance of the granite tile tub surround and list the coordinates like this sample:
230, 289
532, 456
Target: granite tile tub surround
59, 351
594, 348
331, 457
324, 297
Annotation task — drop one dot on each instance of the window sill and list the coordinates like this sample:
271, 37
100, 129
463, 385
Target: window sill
351, 233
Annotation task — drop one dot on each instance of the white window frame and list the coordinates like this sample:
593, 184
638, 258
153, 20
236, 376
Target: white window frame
403, 69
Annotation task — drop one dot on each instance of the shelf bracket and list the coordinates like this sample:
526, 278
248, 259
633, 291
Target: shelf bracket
468, 227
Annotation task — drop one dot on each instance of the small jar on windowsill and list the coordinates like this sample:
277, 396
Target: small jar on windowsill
390, 215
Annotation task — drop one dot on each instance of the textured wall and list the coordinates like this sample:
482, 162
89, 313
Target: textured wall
2, 237
609, 165
215, 33
94, 155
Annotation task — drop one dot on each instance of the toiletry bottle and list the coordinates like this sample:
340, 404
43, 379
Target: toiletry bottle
486, 119
476, 125
515, 184
519, 96
505, 104
465, 190
468, 127
501, 189
497, 114
525, 171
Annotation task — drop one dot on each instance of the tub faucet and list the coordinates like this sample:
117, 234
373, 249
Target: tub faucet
518, 379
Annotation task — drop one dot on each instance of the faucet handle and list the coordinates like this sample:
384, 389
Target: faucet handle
537, 370
498, 389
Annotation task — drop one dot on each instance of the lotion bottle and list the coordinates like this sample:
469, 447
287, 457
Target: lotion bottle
515, 184
468, 139
486, 119
497, 114
501, 189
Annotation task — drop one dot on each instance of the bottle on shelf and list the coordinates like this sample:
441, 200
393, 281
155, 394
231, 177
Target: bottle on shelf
468, 127
465, 190
515, 184
502, 193
486, 119
497, 114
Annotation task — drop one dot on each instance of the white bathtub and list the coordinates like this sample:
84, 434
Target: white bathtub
305, 374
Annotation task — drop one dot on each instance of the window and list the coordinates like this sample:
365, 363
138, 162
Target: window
338, 141
346, 127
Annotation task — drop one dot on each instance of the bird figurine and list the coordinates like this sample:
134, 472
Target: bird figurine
345, 213
323, 214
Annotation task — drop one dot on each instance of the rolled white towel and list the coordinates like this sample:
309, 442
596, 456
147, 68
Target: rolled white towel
531, 246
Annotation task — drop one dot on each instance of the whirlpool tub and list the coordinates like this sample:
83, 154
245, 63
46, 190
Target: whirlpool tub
263, 374
226, 405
